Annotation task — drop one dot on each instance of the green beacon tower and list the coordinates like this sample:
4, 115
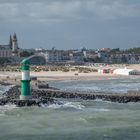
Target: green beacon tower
25, 80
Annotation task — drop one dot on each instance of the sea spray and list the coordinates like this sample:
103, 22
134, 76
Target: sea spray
5, 108
73, 105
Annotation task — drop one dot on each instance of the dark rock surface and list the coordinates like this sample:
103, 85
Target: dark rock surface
121, 98
12, 96
46, 96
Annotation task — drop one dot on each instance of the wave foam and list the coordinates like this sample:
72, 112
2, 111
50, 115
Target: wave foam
5, 108
75, 105
102, 110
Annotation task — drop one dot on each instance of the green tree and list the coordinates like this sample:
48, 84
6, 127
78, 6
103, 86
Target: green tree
4, 60
115, 50
133, 50
26, 54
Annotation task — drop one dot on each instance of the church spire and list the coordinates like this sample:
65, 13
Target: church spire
15, 37
10, 42
14, 45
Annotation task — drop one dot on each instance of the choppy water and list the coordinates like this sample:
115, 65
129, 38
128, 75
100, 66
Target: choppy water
75, 120
3, 89
117, 85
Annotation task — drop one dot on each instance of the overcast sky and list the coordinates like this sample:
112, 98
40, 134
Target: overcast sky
68, 24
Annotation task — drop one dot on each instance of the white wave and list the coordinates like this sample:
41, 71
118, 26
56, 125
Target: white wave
3, 89
75, 105
82, 120
54, 106
5, 108
98, 100
108, 102
101, 109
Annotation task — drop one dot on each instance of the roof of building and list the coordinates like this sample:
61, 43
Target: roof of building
6, 47
126, 70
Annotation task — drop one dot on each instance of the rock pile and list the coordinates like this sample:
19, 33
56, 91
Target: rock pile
45, 96
121, 98
12, 96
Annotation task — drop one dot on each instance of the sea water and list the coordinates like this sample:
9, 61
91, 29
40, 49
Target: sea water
111, 85
76, 119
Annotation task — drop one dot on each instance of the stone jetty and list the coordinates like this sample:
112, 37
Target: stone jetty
47, 95
120, 98
12, 96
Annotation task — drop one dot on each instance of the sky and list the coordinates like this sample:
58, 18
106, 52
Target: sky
71, 24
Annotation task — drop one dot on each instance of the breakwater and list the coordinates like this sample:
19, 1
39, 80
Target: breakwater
46, 96
12, 96
120, 98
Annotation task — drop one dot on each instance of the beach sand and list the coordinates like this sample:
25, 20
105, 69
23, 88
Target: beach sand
59, 75
55, 76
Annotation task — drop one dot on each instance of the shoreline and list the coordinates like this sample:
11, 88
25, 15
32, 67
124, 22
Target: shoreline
58, 76
41, 90
70, 75
14, 78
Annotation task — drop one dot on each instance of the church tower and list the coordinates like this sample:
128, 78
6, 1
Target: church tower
14, 45
10, 42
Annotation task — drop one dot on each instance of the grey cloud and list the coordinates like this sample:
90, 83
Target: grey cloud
42, 10
39, 10
8, 10
113, 9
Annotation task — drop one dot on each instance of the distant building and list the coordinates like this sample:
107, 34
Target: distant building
53, 56
78, 57
104, 56
126, 71
10, 50
5, 51
37, 60
104, 70
62, 56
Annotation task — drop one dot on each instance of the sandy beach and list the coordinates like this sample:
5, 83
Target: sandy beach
15, 77
59, 75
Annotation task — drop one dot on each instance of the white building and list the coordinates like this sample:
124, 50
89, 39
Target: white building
5, 51
62, 56
53, 56
125, 71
